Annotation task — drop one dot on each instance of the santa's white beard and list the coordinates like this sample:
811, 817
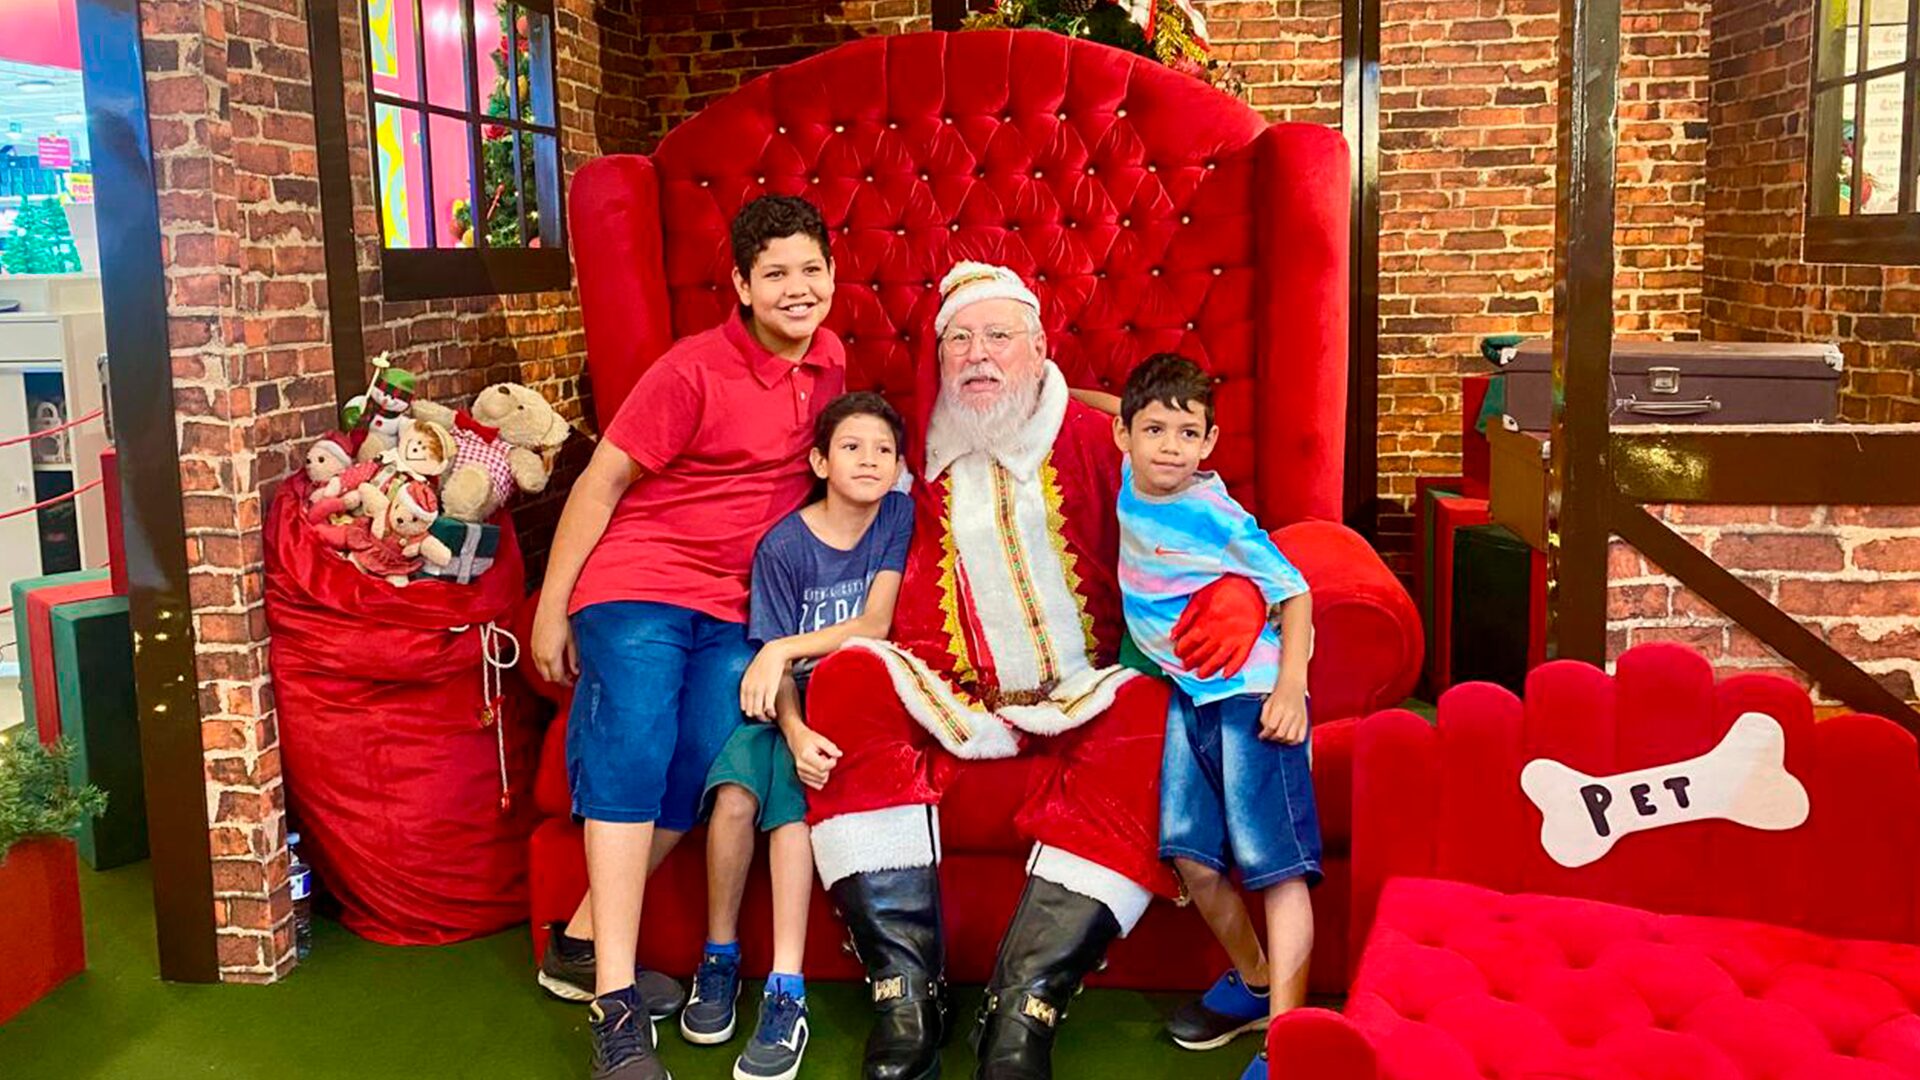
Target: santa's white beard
963, 429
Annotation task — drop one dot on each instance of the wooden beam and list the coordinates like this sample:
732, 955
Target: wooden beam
336, 200
1360, 123
948, 13
140, 386
1577, 495
1830, 671
1838, 465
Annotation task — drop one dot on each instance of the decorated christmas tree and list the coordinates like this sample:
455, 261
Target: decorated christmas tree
1170, 31
497, 187
40, 242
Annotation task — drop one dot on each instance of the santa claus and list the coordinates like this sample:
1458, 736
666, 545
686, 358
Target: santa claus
1004, 643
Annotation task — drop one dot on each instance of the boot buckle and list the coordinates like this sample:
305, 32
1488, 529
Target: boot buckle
891, 988
1035, 1009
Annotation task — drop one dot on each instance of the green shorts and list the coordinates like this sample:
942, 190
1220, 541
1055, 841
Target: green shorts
756, 758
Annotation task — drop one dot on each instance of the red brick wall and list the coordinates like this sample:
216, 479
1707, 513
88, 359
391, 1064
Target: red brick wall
1287, 52
1467, 107
1757, 288
1851, 574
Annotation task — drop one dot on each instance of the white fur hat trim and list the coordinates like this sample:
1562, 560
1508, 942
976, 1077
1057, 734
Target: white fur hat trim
971, 282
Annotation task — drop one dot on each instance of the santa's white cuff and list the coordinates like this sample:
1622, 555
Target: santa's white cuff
894, 838
1126, 898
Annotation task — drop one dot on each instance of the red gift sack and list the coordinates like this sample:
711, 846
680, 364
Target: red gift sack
409, 772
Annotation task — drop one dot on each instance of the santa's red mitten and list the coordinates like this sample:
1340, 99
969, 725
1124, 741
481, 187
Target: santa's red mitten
1220, 626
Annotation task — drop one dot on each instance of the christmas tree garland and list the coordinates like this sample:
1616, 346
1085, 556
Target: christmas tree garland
1170, 31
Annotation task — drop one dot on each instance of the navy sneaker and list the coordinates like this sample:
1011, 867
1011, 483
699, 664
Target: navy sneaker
709, 1018
1226, 1011
1257, 1068
779, 1043
623, 1041
566, 972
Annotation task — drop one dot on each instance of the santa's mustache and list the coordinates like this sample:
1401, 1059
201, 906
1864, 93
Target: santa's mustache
976, 369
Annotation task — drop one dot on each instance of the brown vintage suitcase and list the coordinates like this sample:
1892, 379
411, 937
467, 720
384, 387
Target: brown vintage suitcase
1692, 382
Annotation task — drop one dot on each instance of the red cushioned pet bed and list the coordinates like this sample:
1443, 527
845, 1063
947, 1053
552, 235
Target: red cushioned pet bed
1651, 875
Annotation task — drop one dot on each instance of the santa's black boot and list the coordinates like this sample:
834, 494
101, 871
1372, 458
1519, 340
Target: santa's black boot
894, 918
1057, 938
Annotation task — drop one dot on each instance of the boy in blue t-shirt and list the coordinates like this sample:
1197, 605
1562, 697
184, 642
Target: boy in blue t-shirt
1235, 786
824, 573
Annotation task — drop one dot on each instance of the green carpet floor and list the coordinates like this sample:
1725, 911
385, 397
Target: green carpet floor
359, 1010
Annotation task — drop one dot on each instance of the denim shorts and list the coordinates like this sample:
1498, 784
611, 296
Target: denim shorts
659, 692
1230, 799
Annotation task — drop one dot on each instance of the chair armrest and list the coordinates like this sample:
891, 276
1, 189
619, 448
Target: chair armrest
1320, 1044
1367, 641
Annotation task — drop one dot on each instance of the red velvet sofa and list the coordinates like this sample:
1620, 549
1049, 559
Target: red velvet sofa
1703, 951
1150, 212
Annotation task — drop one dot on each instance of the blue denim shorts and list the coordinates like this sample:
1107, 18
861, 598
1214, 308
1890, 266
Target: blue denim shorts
658, 694
1229, 798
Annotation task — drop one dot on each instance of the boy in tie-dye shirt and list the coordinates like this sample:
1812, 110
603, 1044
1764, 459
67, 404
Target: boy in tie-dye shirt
1236, 790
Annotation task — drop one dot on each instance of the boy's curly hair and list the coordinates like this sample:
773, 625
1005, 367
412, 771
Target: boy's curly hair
771, 217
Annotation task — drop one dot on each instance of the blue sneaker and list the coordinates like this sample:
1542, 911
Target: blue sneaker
1257, 1068
709, 1017
776, 1048
1226, 1011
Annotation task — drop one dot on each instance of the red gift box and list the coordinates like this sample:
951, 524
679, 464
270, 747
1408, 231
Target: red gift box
1475, 453
38, 648
1450, 514
40, 933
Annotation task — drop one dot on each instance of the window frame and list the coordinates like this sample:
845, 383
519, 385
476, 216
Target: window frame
432, 272
1891, 239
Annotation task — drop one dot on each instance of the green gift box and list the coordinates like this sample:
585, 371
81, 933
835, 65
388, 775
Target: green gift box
474, 548
93, 664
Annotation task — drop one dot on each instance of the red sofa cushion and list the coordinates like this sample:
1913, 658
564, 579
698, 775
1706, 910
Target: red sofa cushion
1463, 981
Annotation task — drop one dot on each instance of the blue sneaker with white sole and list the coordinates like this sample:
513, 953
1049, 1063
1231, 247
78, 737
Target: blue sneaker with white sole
708, 1018
1226, 1011
779, 1043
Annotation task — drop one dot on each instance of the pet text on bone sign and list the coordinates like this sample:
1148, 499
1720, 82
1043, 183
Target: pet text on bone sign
1742, 780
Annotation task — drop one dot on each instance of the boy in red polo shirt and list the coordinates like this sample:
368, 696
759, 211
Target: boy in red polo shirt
645, 599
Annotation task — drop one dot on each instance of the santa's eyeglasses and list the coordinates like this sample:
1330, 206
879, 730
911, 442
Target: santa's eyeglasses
997, 339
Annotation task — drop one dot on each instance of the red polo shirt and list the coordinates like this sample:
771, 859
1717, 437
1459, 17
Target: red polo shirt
722, 428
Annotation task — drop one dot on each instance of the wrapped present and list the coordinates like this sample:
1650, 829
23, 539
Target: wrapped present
33, 602
474, 548
1499, 616
93, 672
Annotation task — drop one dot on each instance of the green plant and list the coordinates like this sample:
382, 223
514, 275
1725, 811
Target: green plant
41, 242
37, 796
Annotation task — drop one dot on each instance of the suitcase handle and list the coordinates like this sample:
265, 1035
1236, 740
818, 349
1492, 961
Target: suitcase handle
1669, 408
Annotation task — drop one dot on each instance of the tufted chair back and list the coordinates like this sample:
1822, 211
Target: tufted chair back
1444, 800
1150, 212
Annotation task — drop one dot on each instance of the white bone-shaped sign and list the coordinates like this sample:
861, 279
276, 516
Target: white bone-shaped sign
1743, 780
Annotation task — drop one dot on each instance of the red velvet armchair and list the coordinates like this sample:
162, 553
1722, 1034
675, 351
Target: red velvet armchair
1151, 213
1699, 950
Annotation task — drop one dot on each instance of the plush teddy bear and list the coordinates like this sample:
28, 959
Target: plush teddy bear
424, 452
396, 543
328, 457
505, 444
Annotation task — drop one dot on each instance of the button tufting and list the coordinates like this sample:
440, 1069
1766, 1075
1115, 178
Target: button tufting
1091, 170
839, 128
1040, 277
1128, 327
813, 179
1037, 174
869, 178
893, 125
1218, 270
925, 176
1155, 271
1014, 227
782, 129
706, 183
1120, 112
1189, 324
1126, 223
927, 284
1061, 115
1153, 168
1210, 165
955, 227
1186, 219
900, 231
761, 180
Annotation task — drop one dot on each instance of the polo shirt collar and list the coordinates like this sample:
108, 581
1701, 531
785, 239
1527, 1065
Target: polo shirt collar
768, 368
